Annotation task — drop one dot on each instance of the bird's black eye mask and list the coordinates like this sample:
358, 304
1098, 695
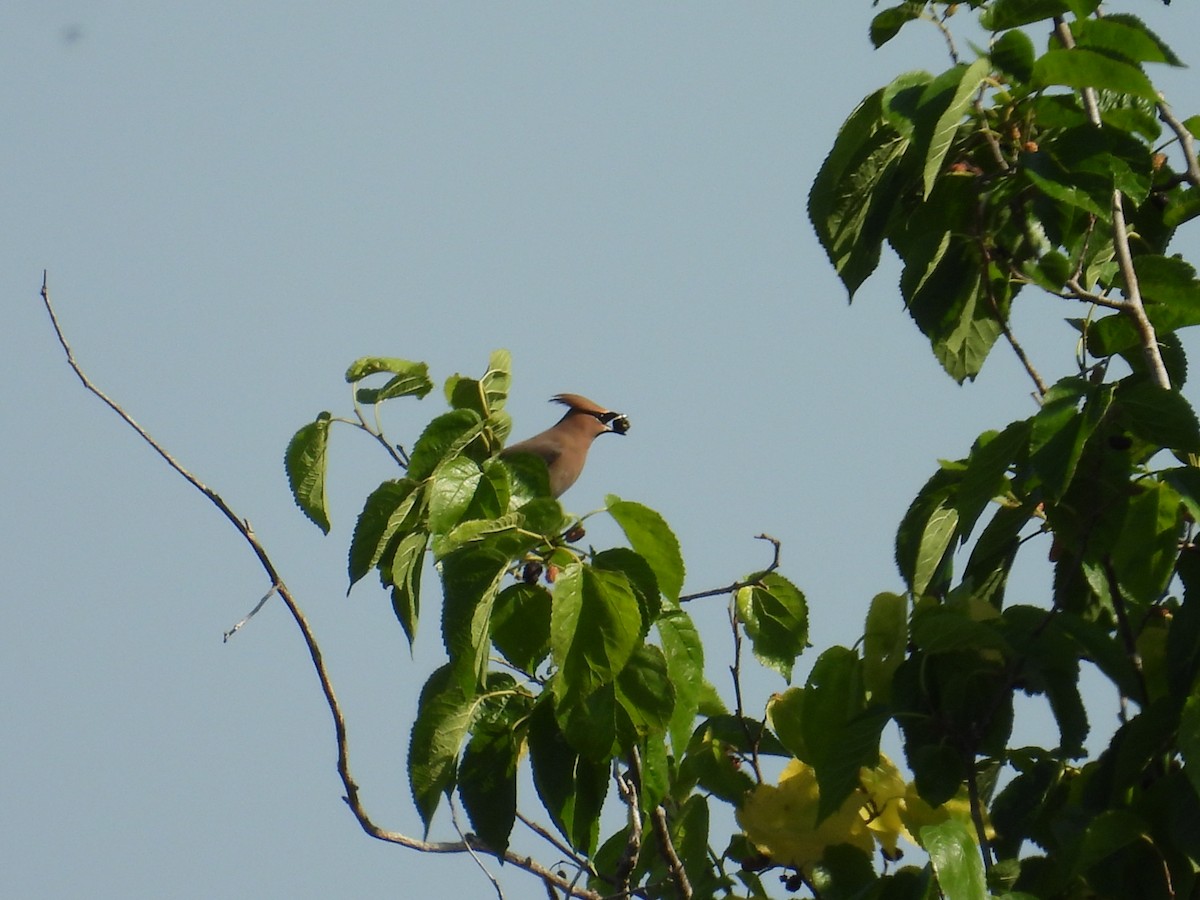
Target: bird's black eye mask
617, 422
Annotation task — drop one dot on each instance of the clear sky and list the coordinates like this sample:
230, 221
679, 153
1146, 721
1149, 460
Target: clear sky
234, 200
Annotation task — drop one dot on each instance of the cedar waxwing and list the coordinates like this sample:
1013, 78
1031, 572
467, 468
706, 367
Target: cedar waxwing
564, 447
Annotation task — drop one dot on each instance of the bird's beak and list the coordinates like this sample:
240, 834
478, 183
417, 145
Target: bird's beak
618, 423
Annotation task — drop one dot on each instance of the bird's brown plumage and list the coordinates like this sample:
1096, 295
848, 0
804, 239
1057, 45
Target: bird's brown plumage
564, 446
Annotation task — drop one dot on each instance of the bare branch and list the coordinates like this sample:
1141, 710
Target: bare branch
738, 585
470, 844
683, 887
1186, 141
627, 786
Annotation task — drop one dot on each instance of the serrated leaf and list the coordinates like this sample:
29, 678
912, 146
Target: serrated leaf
595, 624
956, 860
406, 566
1162, 417
571, 787
856, 190
985, 477
385, 511
775, 615
940, 529
1058, 434
841, 734
444, 437
640, 576
1144, 555
373, 365
1004, 14
444, 715
645, 697
887, 24
1081, 68
684, 653
305, 462
470, 581
521, 625
453, 487
1013, 53
885, 641
959, 87
1125, 35
487, 783
651, 537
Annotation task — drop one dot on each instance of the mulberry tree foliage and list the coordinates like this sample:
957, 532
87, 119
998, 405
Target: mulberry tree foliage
1041, 165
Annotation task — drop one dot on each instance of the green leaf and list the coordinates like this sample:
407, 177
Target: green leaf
957, 88
305, 462
528, 478
645, 697
887, 24
406, 566
885, 641
595, 624
775, 615
470, 580
1144, 555
1171, 293
856, 190
652, 538
840, 733
956, 860
444, 715
684, 654
641, 578
1004, 14
985, 477
373, 365
1162, 417
571, 787
1189, 739
445, 436
453, 487
521, 625
927, 533
487, 783
1124, 35
1059, 433
388, 508
1013, 53
1081, 68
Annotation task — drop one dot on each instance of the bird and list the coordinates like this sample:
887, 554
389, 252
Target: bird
564, 446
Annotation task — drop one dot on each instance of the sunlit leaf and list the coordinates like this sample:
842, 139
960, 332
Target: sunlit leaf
305, 462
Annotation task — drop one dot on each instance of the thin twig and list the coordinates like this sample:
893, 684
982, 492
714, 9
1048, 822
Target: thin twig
627, 787
683, 887
985, 846
576, 860
314, 651
738, 585
479, 862
735, 672
250, 615
1186, 142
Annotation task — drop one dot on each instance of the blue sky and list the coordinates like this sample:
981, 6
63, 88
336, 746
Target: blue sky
236, 200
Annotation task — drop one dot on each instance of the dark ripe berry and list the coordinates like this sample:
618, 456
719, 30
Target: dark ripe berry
575, 533
532, 572
794, 882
